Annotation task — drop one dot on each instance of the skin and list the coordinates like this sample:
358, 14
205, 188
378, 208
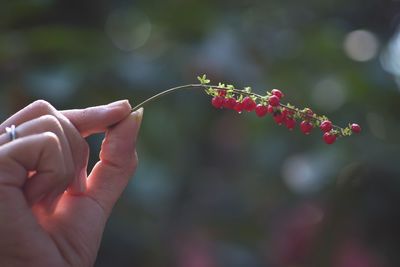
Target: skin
51, 212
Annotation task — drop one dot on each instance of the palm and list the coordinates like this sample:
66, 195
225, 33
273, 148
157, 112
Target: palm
68, 237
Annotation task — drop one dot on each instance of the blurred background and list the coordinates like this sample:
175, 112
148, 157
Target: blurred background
215, 188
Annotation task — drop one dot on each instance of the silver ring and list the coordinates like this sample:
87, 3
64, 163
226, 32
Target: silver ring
11, 132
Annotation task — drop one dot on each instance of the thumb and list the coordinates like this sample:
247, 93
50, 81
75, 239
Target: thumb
118, 161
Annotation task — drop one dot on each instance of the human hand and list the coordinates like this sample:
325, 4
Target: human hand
51, 212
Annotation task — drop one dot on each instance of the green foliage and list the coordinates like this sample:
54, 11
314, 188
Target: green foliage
203, 79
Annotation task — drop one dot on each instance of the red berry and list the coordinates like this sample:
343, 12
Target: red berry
248, 104
238, 107
306, 127
355, 128
277, 93
261, 110
222, 92
329, 138
285, 112
217, 101
326, 126
290, 123
309, 112
273, 100
270, 109
279, 118
230, 102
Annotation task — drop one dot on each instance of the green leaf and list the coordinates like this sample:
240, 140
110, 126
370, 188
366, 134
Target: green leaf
203, 79
290, 106
210, 91
247, 89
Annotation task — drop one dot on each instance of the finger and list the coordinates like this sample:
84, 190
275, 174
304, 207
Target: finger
118, 161
97, 119
47, 123
79, 147
40, 153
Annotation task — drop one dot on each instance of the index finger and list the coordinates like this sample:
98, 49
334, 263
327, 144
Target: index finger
98, 119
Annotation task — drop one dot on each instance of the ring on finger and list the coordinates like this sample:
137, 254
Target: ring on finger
12, 133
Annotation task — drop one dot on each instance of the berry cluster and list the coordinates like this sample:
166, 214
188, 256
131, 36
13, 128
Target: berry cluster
226, 96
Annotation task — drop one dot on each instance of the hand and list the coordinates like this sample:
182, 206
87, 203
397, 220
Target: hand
51, 213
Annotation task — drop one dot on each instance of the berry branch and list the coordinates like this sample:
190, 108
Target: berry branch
229, 97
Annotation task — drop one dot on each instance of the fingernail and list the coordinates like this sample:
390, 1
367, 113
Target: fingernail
118, 103
138, 115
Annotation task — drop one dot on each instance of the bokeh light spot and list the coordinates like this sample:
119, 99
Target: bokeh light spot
329, 94
128, 29
376, 125
299, 175
390, 57
361, 45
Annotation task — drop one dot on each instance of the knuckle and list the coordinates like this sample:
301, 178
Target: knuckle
51, 123
53, 142
42, 106
125, 166
51, 138
132, 162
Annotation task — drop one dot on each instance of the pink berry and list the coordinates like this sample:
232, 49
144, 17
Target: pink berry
284, 112
309, 112
290, 123
261, 110
355, 128
306, 127
230, 103
270, 109
222, 92
329, 138
238, 107
217, 101
277, 93
326, 126
279, 118
273, 100
248, 104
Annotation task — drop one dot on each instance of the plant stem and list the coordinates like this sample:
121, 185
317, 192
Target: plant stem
234, 90
166, 92
189, 86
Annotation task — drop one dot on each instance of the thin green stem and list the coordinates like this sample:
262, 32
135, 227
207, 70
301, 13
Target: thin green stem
189, 86
166, 92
